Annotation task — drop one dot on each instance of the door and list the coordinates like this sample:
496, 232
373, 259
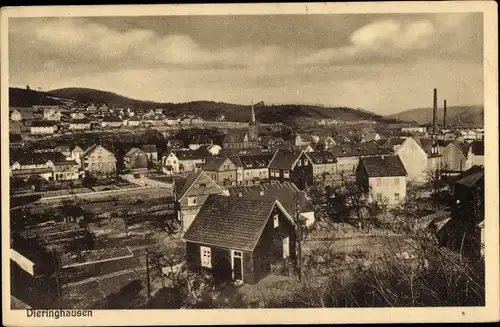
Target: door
237, 265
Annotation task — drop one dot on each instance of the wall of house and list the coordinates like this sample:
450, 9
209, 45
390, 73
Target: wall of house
454, 159
188, 211
414, 159
269, 248
37, 130
387, 187
477, 160
100, 161
250, 174
347, 165
319, 169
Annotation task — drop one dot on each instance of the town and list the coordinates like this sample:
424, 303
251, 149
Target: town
114, 207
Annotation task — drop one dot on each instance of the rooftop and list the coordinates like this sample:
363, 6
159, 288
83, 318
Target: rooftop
383, 166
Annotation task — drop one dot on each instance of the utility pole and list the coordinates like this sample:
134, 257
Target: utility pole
299, 241
147, 273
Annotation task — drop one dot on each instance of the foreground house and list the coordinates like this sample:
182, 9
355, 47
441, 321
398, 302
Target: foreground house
419, 156
384, 177
191, 194
240, 239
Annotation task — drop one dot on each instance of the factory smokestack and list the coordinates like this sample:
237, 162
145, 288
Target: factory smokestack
444, 114
434, 111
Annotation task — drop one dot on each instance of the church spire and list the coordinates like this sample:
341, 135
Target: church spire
252, 119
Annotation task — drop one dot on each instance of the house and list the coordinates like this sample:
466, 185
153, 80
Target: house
210, 149
16, 116
419, 156
52, 114
66, 170
304, 147
111, 121
301, 140
98, 160
222, 170
77, 115
457, 156
51, 166
42, 128
414, 129
270, 142
175, 144
171, 121
103, 109
469, 135
64, 149
151, 152
286, 193
136, 161
348, 155
134, 121
191, 194
392, 143
197, 120
159, 111
79, 124
170, 164
76, 154
370, 137
465, 230
323, 163
477, 153
240, 239
190, 160
327, 142
255, 168
91, 107
291, 166
383, 177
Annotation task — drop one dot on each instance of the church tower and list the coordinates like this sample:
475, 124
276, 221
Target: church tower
253, 127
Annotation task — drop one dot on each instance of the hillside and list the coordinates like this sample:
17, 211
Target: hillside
473, 115
285, 113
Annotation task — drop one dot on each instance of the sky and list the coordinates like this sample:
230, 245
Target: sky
385, 63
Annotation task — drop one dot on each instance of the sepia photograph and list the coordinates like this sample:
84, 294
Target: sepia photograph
300, 156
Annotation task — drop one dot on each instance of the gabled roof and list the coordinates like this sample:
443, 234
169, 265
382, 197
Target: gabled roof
214, 164
132, 151
383, 166
426, 145
190, 180
462, 146
235, 136
24, 157
231, 222
471, 176
189, 155
149, 148
93, 148
235, 159
357, 150
256, 161
284, 159
321, 157
286, 193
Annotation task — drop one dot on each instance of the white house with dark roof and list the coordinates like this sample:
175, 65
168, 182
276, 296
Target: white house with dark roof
384, 178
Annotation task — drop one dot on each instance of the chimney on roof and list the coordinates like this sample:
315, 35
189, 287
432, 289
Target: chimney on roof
444, 114
434, 111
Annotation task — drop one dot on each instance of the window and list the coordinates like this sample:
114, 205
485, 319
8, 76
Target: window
286, 247
306, 162
203, 185
396, 181
379, 197
396, 196
286, 174
206, 257
379, 182
276, 220
192, 201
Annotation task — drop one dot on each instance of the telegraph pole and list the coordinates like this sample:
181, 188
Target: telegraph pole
299, 241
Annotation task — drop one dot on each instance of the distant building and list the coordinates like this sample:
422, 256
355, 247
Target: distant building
170, 164
414, 129
327, 142
136, 161
247, 138
383, 177
134, 121
52, 114
77, 115
419, 156
51, 166
192, 193
16, 116
91, 107
42, 128
348, 155
291, 166
175, 144
190, 160
98, 160
197, 120
79, 124
111, 122
151, 152
371, 137
255, 168
323, 162
222, 170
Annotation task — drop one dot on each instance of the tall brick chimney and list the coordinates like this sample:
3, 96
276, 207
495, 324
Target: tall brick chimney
434, 111
444, 114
